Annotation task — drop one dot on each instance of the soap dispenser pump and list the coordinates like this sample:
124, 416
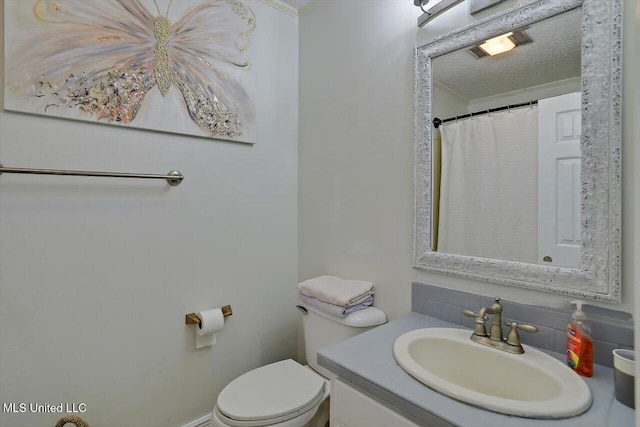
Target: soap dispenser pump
579, 342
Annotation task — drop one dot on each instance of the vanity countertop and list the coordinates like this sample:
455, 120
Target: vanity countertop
367, 363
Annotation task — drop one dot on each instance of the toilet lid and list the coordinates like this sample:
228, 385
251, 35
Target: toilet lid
272, 391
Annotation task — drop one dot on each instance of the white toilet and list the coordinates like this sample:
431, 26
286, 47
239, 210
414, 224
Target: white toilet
285, 393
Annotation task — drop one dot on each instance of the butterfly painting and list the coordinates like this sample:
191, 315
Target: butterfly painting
174, 65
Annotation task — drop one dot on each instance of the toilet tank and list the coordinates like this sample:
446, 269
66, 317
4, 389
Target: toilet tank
321, 330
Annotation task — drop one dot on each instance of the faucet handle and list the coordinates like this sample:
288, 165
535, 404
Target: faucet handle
514, 338
480, 328
469, 313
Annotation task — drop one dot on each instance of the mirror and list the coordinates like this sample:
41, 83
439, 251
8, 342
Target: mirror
506, 181
528, 195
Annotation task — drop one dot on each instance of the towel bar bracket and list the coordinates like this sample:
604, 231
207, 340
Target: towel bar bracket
175, 178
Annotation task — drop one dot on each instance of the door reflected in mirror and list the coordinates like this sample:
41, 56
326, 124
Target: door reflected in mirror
506, 154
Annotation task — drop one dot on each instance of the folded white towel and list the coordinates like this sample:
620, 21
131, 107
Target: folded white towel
335, 290
332, 309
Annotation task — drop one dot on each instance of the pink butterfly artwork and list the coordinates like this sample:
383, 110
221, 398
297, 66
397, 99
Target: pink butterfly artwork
127, 61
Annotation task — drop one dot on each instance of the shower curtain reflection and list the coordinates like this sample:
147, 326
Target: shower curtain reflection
488, 203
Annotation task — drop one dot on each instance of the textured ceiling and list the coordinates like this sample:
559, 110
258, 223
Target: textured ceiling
553, 55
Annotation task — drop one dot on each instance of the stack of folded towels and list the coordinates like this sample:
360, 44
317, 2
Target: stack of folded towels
335, 296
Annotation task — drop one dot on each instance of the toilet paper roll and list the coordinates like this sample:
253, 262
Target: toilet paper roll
211, 321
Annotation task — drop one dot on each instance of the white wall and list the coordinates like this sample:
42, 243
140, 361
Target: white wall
447, 103
356, 150
356, 144
96, 275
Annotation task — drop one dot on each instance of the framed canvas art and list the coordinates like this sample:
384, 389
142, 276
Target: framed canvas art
178, 66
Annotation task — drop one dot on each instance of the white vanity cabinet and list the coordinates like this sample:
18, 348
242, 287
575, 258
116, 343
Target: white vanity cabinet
352, 408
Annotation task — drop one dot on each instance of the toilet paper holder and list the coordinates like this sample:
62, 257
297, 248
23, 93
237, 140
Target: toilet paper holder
192, 318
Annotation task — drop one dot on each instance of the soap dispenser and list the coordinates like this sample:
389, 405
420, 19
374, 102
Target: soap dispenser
579, 342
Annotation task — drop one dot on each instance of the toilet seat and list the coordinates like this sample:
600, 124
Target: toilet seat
271, 394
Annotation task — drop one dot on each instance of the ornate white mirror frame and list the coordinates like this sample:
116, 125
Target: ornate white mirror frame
598, 276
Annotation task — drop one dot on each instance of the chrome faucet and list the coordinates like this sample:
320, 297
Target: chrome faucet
495, 338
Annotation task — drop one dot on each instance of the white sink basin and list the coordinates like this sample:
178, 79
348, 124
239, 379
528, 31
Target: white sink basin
532, 385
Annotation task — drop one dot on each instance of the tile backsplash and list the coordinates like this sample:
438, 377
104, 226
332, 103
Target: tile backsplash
447, 304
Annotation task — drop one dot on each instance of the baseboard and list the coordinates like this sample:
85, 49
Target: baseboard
203, 421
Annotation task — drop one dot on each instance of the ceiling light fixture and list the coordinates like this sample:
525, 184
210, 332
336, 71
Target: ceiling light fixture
498, 45
433, 11
501, 43
421, 4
